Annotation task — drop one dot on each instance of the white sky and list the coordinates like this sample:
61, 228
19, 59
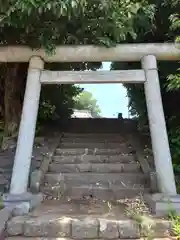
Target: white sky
111, 98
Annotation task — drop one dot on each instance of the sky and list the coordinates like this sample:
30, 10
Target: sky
111, 98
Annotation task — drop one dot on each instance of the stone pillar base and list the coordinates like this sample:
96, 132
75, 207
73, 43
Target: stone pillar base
22, 203
161, 204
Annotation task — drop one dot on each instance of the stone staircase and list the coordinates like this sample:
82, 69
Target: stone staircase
99, 166
92, 178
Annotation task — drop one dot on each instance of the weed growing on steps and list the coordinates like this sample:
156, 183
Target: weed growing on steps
138, 211
175, 219
1, 203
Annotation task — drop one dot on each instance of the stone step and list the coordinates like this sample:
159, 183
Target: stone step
94, 135
94, 178
81, 207
49, 221
59, 238
94, 139
122, 158
92, 191
99, 126
5, 182
34, 238
95, 145
94, 167
94, 151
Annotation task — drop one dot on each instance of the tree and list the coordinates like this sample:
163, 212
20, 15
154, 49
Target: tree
59, 104
85, 101
165, 28
161, 31
46, 23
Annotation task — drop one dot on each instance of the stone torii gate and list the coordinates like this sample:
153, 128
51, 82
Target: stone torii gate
148, 54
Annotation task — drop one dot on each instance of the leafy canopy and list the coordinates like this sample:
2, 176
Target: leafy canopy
86, 101
47, 23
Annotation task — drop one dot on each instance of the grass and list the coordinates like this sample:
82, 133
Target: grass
1, 203
175, 219
137, 210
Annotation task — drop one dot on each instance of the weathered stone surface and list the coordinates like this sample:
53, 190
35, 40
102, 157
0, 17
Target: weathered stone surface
3, 179
21, 209
94, 167
85, 134
160, 203
100, 186
108, 229
93, 178
92, 145
67, 159
54, 191
93, 151
16, 198
131, 167
153, 182
71, 151
128, 192
35, 180
155, 228
85, 228
34, 238
112, 151
98, 138
25, 238
5, 215
99, 192
79, 192
84, 167
162, 228
70, 168
15, 226
94, 135
48, 226
64, 168
107, 168
36, 199
122, 158
24, 202
84, 158
128, 229
102, 193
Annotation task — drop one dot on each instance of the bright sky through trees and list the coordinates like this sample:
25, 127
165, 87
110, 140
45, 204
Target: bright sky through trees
111, 98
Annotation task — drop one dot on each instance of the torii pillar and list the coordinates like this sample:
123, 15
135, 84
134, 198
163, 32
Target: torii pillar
157, 124
22, 161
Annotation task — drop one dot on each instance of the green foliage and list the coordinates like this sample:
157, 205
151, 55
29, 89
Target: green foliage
62, 97
139, 212
135, 94
174, 81
176, 226
174, 136
137, 104
173, 84
85, 101
1, 203
173, 216
46, 110
57, 102
47, 23
165, 27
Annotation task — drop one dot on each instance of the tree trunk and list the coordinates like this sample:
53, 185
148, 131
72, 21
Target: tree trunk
12, 99
2, 71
